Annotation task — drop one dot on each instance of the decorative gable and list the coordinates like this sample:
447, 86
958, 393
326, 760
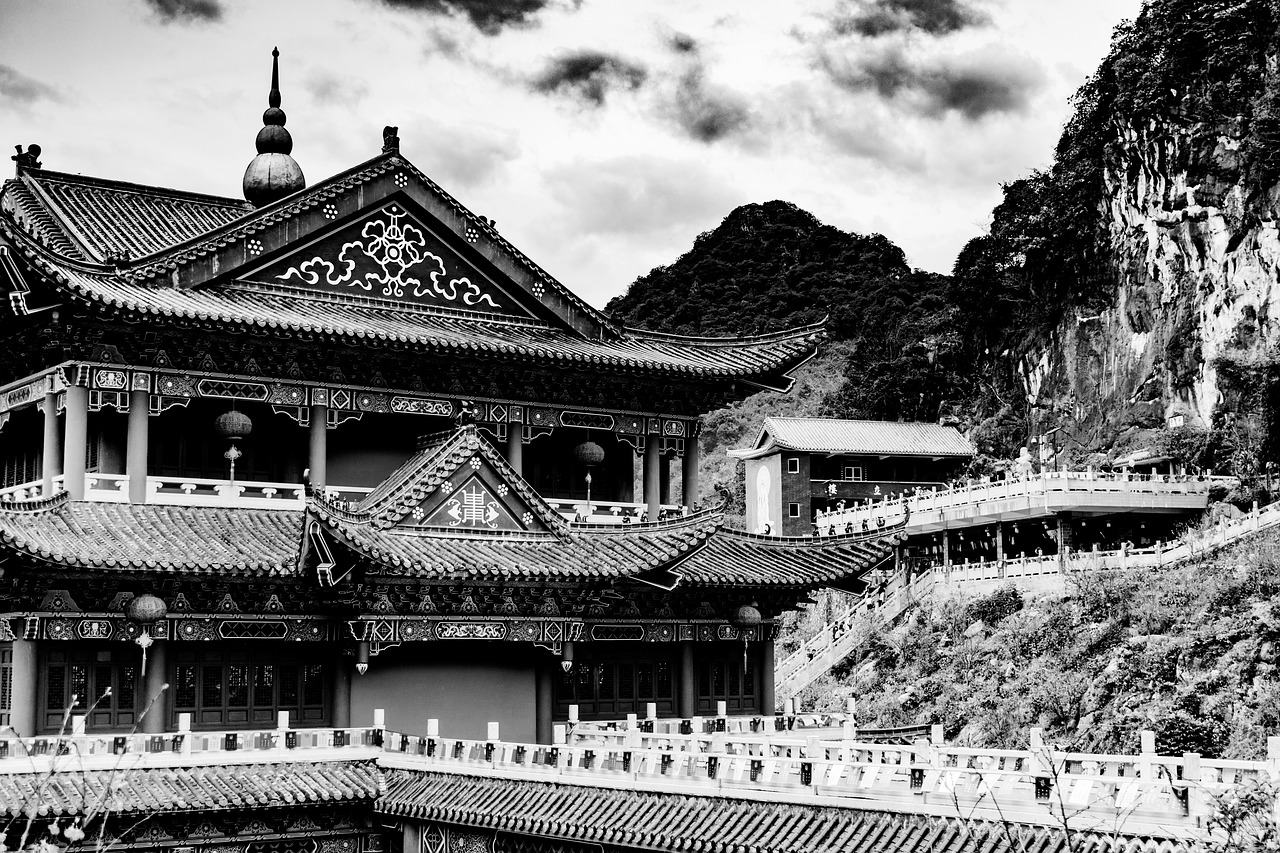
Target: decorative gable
476, 498
391, 253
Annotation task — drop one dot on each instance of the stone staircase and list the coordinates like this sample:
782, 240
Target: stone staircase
879, 606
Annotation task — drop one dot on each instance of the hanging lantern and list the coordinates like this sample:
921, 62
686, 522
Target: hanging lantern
233, 426
145, 610
362, 657
745, 619
566, 656
589, 453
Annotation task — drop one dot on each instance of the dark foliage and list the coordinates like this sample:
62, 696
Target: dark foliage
773, 266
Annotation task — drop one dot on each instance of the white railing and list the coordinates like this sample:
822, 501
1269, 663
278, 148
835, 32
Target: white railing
1038, 785
926, 504
1143, 793
77, 750
608, 512
31, 491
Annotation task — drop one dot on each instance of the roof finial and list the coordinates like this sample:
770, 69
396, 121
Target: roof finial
274, 98
273, 174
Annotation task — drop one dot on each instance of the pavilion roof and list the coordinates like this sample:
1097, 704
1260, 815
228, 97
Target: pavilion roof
857, 437
157, 253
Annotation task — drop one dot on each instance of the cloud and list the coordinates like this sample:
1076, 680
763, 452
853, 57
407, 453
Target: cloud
21, 89
490, 17
974, 85
588, 76
635, 195
682, 43
705, 112
881, 17
186, 11
461, 155
329, 88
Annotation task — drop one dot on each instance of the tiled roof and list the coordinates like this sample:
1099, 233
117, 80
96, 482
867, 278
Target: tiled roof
731, 558
151, 790
200, 540
888, 438
103, 218
605, 552
709, 824
71, 224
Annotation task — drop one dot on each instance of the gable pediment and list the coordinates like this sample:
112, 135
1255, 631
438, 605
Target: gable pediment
476, 498
391, 251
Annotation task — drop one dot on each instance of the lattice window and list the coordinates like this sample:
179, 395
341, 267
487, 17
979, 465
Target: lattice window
99, 683
607, 689
6, 683
724, 680
227, 685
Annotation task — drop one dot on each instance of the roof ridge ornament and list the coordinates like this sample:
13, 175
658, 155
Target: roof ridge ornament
273, 174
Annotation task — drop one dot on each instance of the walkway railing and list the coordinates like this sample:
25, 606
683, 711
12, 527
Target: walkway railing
926, 505
1168, 796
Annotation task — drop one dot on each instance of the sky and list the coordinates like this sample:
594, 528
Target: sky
602, 135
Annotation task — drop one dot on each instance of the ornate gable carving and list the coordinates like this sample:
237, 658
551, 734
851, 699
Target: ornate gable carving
391, 253
475, 498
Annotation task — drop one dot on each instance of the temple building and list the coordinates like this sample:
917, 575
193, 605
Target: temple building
342, 447
800, 467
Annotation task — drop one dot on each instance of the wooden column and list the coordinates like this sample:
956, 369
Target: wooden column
652, 477
946, 549
544, 712
999, 540
688, 694
25, 678
135, 464
515, 448
664, 479
768, 702
153, 684
75, 441
341, 712
689, 473
51, 462
319, 455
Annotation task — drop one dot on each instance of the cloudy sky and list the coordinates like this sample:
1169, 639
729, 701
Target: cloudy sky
602, 135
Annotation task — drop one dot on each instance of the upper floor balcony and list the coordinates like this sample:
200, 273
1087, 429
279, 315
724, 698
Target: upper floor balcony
250, 454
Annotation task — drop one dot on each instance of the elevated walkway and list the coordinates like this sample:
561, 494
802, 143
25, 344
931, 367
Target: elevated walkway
882, 605
1016, 499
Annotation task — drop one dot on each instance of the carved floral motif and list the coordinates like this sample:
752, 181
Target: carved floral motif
399, 249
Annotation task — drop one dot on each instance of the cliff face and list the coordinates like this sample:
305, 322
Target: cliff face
1198, 264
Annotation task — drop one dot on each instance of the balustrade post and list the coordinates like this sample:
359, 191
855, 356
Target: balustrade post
1146, 761
184, 729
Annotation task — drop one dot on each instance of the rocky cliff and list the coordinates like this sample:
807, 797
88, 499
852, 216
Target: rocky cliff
1197, 258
